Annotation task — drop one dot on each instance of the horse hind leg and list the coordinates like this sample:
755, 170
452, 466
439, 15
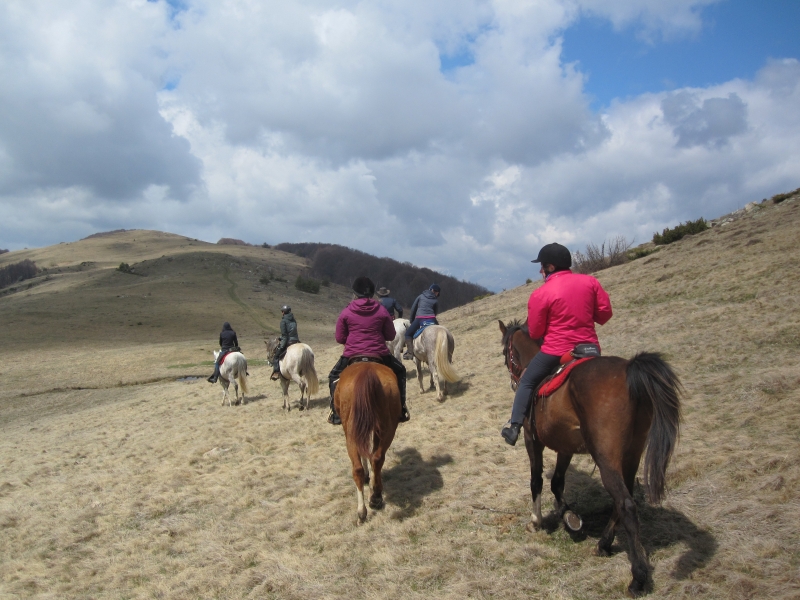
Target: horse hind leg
285, 389
625, 510
359, 477
376, 499
571, 519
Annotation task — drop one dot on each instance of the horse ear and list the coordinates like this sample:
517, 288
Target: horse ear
502, 326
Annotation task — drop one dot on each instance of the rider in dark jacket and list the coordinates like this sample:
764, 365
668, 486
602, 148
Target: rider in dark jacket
425, 308
288, 337
390, 304
227, 343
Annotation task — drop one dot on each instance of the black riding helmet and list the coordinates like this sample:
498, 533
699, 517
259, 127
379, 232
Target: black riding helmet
364, 287
556, 255
286, 308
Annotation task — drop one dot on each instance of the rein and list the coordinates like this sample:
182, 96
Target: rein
514, 368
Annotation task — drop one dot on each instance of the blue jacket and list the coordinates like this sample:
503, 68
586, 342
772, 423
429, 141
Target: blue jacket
425, 305
390, 304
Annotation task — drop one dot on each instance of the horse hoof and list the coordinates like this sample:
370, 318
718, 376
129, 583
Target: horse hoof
572, 521
362, 517
604, 552
635, 590
376, 503
532, 527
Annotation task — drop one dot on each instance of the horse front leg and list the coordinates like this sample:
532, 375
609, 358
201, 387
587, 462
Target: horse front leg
535, 450
285, 389
419, 375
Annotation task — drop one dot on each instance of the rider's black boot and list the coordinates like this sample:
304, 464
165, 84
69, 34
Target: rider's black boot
409, 353
212, 379
333, 417
510, 432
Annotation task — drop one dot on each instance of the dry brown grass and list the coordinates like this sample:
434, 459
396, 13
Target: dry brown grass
152, 490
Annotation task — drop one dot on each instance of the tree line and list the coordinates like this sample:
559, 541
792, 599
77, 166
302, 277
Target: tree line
342, 265
17, 272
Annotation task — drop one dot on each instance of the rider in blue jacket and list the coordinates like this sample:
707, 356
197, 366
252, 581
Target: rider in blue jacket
425, 308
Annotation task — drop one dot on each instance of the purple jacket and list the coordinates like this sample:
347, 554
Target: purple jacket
364, 327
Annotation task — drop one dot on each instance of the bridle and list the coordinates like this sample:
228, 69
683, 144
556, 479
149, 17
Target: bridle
515, 370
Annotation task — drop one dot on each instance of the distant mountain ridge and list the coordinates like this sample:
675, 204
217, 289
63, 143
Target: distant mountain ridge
342, 265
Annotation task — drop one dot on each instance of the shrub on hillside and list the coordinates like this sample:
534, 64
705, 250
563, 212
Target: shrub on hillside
3, 251
125, 268
778, 198
17, 272
608, 254
305, 284
679, 231
641, 252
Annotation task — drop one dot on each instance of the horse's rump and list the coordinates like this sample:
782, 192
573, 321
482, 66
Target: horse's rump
303, 358
366, 397
443, 351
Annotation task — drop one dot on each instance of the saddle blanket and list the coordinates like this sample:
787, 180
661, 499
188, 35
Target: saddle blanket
549, 386
424, 324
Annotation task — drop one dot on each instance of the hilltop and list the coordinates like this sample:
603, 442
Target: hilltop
121, 478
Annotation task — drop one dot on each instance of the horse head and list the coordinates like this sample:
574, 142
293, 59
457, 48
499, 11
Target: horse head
272, 345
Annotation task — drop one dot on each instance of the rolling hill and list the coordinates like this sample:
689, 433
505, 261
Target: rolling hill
120, 477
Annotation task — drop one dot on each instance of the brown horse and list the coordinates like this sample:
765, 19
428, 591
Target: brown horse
368, 402
610, 408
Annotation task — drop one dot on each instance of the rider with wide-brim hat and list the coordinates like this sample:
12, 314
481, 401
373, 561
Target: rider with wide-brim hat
562, 312
389, 303
364, 327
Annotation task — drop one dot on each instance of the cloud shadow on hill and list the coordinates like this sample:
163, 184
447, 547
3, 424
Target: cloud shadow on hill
407, 483
660, 527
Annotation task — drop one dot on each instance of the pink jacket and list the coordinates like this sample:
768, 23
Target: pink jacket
564, 310
364, 327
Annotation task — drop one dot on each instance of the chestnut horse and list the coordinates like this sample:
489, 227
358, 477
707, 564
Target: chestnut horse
368, 401
610, 408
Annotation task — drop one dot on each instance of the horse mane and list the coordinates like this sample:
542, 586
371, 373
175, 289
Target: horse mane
512, 328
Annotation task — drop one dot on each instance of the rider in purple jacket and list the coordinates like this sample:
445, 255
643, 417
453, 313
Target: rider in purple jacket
364, 327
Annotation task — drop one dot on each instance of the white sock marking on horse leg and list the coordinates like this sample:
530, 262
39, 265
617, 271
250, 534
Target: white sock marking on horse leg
536, 516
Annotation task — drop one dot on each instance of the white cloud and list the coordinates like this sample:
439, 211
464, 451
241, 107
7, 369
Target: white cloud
447, 134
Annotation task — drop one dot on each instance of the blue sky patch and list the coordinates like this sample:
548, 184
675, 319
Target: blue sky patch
737, 39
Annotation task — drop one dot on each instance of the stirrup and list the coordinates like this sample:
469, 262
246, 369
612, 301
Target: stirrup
212, 379
275, 375
334, 419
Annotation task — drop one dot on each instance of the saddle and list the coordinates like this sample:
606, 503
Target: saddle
224, 354
581, 353
422, 326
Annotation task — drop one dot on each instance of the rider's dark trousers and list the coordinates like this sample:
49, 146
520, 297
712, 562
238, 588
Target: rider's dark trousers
540, 367
389, 360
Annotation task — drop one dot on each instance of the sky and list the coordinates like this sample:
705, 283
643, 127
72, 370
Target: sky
457, 135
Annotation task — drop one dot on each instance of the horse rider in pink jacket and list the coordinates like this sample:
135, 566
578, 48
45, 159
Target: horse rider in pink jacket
563, 312
364, 327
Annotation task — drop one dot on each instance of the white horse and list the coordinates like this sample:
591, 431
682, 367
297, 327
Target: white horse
396, 345
435, 346
233, 369
298, 366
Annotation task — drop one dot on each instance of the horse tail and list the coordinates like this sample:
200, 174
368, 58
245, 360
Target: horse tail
242, 372
364, 421
442, 352
652, 380
308, 371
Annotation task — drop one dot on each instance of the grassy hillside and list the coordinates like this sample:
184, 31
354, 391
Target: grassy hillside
131, 489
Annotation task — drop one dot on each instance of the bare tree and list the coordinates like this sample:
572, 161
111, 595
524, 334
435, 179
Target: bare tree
609, 254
